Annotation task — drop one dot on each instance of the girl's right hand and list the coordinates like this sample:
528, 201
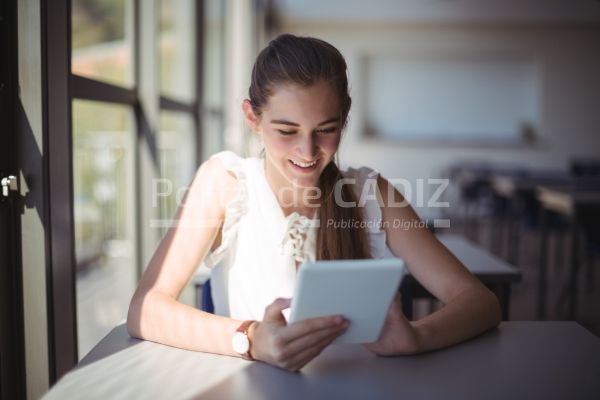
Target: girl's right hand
292, 346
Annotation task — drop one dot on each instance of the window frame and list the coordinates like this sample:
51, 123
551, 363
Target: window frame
61, 88
12, 347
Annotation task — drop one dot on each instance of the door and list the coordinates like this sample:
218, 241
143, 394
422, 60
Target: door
12, 381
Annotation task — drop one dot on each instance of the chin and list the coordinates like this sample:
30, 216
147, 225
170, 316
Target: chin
303, 180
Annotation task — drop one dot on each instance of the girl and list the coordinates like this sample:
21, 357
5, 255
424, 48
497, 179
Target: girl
260, 218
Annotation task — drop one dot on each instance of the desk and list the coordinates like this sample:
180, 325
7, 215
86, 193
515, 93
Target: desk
566, 200
493, 272
474, 180
518, 360
518, 193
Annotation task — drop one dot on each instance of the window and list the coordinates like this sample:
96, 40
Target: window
177, 49
103, 40
135, 125
213, 123
108, 92
103, 169
176, 163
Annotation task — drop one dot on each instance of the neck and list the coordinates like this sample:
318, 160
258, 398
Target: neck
290, 197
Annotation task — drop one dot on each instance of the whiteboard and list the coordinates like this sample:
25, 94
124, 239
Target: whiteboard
451, 97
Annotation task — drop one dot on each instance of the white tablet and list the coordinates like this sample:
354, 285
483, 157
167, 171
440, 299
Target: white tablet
360, 290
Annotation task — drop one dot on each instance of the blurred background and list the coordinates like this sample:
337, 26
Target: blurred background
485, 112
439, 88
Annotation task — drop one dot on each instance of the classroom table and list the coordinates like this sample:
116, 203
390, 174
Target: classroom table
474, 179
565, 200
517, 360
517, 191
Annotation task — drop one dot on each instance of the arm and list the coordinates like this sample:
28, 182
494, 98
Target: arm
156, 315
154, 312
469, 307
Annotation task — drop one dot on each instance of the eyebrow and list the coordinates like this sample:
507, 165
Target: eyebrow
284, 122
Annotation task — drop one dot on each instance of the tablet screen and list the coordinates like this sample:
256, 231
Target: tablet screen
360, 290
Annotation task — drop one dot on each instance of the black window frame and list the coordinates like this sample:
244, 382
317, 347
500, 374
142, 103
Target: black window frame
12, 347
61, 87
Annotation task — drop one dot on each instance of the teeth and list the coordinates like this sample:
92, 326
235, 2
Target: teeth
304, 165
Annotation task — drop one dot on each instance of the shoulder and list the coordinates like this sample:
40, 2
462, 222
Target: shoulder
360, 173
396, 211
368, 181
365, 179
219, 168
390, 196
218, 179
361, 179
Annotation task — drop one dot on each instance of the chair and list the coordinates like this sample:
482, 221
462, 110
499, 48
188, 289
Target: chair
588, 169
206, 301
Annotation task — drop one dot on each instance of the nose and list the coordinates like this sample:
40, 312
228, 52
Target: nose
307, 147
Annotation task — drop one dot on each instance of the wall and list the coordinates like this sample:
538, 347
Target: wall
569, 61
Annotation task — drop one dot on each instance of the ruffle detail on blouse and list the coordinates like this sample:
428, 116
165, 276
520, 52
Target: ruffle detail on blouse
234, 211
297, 233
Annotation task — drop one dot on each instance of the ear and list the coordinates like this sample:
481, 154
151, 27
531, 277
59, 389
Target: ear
252, 119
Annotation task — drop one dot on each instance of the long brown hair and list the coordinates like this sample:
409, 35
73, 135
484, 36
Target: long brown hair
304, 61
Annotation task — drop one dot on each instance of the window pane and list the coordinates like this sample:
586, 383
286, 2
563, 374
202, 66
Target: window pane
103, 170
214, 53
177, 49
213, 80
102, 40
177, 149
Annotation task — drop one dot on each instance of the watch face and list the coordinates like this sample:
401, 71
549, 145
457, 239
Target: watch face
240, 343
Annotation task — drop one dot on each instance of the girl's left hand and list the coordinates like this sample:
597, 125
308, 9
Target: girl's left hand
398, 336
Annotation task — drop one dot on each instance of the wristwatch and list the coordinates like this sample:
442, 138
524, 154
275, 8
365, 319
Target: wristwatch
240, 341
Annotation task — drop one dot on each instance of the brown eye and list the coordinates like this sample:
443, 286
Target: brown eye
326, 130
285, 132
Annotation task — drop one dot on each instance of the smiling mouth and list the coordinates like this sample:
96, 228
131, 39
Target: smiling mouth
304, 166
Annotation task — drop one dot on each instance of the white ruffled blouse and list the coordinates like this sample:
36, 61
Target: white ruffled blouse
260, 247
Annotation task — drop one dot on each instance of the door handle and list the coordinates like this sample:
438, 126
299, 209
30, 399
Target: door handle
9, 184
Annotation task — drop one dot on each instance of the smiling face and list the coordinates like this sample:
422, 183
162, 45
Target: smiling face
301, 129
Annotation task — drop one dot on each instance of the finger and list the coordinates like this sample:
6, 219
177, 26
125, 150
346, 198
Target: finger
304, 357
273, 310
302, 328
396, 308
298, 345
307, 355
396, 301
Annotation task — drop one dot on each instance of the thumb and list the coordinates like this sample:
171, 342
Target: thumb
273, 310
396, 306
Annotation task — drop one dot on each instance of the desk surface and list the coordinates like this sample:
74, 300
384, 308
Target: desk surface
509, 185
518, 360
